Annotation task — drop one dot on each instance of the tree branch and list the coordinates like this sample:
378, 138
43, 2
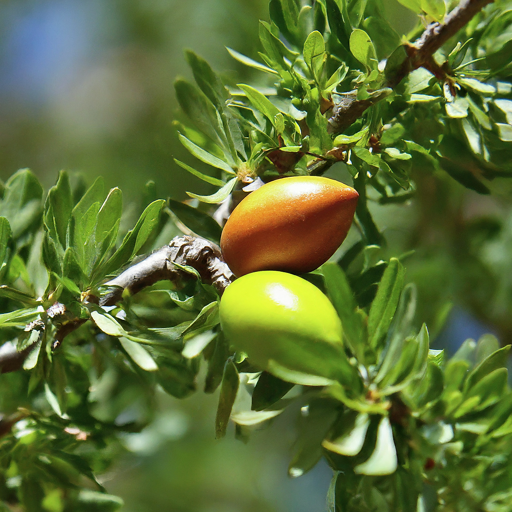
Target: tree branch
419, 54
200, 254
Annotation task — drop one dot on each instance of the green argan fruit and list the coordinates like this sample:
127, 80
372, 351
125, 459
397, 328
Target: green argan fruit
286, 326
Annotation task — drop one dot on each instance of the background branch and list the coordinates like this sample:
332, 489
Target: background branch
419, 54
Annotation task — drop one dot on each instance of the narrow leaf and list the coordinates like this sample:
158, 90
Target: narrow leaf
250, 62
228, 391
5, 237
207, 80
200, 175
196, 220
383, 460
268, 391
342, 297
351, 443
385, 303
134, 239
204, 156
219, 196
139, 354
260, 102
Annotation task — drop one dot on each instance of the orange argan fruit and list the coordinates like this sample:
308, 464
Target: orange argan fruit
291, 224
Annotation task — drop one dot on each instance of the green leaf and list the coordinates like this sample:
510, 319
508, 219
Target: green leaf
134, 239
93, 501
260, 102
176, 377
52, 400
383, 460
506, 107
458, 108
286, 26
395, 62
385, 38
59, 205
413, 5
370, 230
204, 156
505, 132
410, 365
79, 463
5, 238
399, 331
52, 256
397, 154
19, 318
365, 155
315, 422
197, 221
351, 139
32, 494
82, 235
385, 303
268, 391
107, 323
351, 442
335, 79
200, 175
94, 194
218, 196
16, 295
199, 110
197, 343
250, 62
463, 176
216, 356
207, 318
490, 389
314, 54
209, 83
436, 9
337, 24
362, 49
487, 344
138, 354
492, 362
21, 202
274, 48
228, 391
392, 134
108, 218
356, 10
342, 297
33, 356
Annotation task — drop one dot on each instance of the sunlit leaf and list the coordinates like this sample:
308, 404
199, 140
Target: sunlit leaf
383, 460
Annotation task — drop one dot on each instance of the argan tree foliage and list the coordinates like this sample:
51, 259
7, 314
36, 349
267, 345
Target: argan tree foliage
84, 317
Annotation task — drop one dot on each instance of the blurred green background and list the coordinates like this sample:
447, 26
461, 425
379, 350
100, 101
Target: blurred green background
88, 87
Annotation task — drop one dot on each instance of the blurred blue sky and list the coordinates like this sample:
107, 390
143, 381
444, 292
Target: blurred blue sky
45, 44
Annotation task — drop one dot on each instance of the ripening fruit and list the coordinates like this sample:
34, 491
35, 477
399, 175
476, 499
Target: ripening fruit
285, 325
291, 224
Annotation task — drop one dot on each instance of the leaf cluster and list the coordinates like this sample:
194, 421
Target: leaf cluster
331, 59
83, 366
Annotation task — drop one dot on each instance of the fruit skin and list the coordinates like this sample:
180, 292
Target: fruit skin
285, 325
292, 224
